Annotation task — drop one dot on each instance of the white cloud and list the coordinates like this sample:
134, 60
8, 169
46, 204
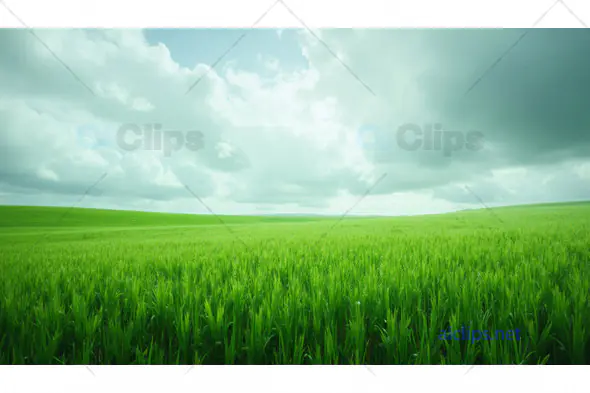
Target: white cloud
287, 141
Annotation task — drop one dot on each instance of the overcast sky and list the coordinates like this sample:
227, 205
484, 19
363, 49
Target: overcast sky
286, 127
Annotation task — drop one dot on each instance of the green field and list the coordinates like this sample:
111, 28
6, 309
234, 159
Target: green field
84, 286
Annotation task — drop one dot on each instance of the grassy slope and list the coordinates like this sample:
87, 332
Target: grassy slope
168, 289
47, 217
35, 216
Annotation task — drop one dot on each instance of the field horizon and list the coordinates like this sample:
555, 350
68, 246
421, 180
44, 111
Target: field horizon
26, 209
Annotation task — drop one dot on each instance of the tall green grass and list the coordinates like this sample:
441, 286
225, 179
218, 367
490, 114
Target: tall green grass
375, 291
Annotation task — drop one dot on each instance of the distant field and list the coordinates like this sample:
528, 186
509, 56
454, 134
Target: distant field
29, 216
85, 286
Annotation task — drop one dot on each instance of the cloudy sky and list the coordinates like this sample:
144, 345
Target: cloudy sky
286, 123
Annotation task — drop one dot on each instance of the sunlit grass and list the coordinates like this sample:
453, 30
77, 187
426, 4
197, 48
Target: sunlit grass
378, 291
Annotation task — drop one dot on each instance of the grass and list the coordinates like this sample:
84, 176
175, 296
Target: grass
114, 287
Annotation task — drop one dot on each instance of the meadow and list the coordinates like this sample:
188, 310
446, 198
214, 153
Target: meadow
85, 286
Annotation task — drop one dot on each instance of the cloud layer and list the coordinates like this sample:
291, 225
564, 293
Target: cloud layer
286, 139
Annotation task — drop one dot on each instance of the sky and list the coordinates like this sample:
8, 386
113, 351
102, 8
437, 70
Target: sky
378, 121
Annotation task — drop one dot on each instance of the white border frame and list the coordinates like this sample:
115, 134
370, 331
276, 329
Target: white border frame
296, 379
315, 13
